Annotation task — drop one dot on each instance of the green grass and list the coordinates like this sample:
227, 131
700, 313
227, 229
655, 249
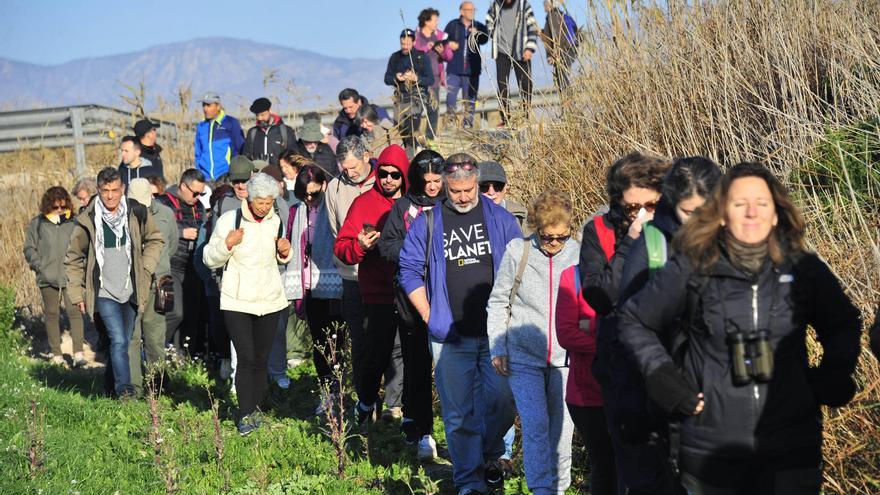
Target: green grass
85, 443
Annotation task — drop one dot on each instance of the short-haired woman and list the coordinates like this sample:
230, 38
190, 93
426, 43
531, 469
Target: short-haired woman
741, 291
522, 336
248, 245
45, 246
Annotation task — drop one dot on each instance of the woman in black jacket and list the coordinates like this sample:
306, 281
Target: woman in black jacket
425, 189
741, 291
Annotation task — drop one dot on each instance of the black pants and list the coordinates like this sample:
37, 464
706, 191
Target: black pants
186, 323
591, 425
418, 398
380, 328
220, 341
795, 473
320, 317
523, 72
252, 337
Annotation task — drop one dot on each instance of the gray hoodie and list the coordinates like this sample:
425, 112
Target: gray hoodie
530, 339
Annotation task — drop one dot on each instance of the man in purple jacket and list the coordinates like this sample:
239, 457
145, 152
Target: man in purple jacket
468, 236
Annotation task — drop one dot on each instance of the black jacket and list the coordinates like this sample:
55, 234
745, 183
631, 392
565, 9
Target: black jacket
144, 171
270, 142
187, 217
394, 231
740, 422
874, 334
601, 277
153, 153
400, 63
323, 157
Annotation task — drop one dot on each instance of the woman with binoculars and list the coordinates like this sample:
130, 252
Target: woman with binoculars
719, 335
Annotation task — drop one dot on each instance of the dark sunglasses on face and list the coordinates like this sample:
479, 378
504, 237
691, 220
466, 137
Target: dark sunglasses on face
450, 168
156, 195
547, 239
384, 174
59, 207
196, 194
632, 209
497, 186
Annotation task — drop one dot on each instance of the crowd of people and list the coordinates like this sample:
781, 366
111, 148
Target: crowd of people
669, 330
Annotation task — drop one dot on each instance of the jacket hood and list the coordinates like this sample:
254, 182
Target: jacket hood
395, 156
274, 119
665, 218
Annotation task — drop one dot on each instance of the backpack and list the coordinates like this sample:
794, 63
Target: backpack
571, 28
252, 134
606, 235
519, 276
655, 241
238, 215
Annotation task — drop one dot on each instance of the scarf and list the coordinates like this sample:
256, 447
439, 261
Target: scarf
118, 223
746, 257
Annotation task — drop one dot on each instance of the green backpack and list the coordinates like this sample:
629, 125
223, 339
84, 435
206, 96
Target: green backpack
655, 241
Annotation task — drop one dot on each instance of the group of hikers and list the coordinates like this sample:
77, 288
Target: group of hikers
669, 330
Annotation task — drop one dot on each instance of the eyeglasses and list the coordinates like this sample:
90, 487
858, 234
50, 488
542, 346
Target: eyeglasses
312, 194
496, 186
632, 209
450, 168
196, 194
384, 174
547, 239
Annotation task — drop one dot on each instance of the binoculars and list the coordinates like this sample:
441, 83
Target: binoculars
751, 357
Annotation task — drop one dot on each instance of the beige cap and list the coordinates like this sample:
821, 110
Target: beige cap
139, 190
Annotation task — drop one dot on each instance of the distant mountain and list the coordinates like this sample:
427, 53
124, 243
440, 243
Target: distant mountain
240, 70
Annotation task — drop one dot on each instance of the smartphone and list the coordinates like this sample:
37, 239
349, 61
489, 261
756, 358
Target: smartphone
368, 227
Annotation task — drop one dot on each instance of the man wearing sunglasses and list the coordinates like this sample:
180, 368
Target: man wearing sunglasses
356, 245
190, 215
449, 287
493, 185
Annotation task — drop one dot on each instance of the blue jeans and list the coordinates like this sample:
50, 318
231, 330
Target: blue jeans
477, 407
118, 319
469, 85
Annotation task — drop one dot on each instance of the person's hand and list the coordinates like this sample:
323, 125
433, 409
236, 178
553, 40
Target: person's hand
500, 364
431, 45
400, 76
454, 45
700, 405
234, 238
82, 307
527, 55
190, 233
368, 240
411, 76
426, 315
439, 49
283, 247
635, 228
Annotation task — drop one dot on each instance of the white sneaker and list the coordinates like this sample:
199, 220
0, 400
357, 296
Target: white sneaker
225, 369
427, 448
325, 405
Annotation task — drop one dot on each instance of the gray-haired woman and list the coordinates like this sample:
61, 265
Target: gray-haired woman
248, 243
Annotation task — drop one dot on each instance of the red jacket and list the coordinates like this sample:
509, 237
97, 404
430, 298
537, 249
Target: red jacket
573, 313
375, 275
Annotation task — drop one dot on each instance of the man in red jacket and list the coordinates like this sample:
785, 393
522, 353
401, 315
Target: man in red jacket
356, 244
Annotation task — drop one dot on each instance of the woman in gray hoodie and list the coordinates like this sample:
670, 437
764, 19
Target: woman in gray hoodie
522, 339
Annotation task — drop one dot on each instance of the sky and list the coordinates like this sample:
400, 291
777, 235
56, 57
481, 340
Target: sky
46, 32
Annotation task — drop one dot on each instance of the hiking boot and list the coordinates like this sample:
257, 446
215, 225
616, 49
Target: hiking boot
249, 423
427, 448
362, 413
391, 414
410, 431
79, 361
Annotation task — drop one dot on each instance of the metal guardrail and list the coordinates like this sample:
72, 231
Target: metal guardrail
83, 125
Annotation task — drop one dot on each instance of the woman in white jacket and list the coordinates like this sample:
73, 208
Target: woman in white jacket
248, 244
522, 339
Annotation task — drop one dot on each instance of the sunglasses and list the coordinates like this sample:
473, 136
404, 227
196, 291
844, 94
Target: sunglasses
384, 174
632, 209
435, 160
547, 239
496, 186
59, 207
450, 168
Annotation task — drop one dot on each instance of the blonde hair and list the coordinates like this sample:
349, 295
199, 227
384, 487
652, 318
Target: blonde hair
550, 208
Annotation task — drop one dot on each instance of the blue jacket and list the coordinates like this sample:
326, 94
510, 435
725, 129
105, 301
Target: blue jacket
217, 142
502, 228
459, 34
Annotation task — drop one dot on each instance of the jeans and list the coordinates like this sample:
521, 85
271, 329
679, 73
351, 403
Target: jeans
469, 85
523, 72
433, 109
252, 336
52, 299
593, 429
118, 319
477, 407
277, 364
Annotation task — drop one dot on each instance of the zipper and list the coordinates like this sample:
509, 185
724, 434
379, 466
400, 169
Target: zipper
211, 146
757, 391
550, 317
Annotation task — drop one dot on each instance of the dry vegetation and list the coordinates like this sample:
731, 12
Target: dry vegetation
793, 84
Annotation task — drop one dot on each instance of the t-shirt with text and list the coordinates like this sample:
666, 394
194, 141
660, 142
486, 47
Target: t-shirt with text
469, 269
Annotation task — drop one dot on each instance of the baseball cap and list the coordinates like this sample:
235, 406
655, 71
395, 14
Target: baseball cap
408, 33
210, 97
143, 126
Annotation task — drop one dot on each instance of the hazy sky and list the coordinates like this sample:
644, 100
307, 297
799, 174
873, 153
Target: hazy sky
52, 32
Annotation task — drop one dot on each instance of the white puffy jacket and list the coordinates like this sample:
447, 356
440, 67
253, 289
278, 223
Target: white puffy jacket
251, 281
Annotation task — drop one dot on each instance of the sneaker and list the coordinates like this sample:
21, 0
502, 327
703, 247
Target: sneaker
225, 368
427, 448
79, 361
391, 414
58, 359
283, 383
494, 474
410, 431
468, 491
325, 405
249, 423
294, 362
362, 413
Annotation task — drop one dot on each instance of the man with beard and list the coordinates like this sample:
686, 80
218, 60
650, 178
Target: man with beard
271, 137
468, 238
